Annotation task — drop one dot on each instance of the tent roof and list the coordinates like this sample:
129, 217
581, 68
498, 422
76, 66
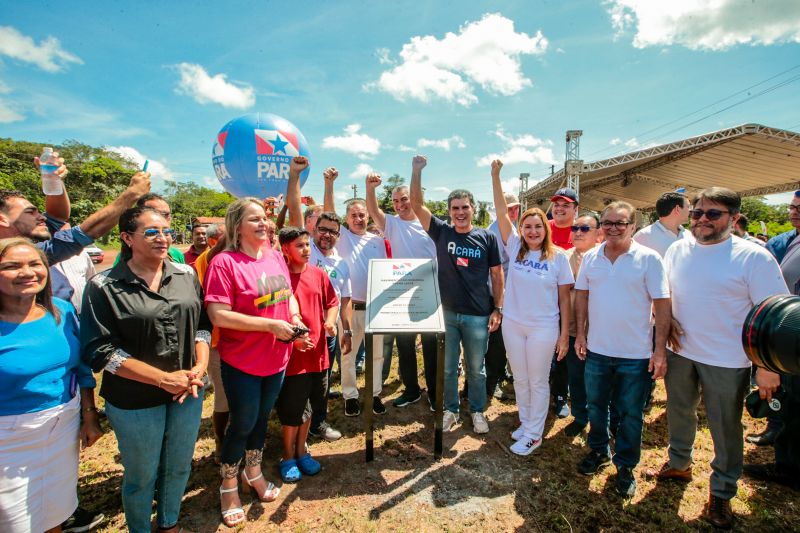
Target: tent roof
751, 159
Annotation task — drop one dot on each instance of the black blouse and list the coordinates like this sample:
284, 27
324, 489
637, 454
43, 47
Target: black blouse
121, 317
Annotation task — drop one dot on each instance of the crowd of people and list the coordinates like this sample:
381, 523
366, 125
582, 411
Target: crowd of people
574, 308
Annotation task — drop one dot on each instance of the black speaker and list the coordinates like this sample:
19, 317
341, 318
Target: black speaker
771, 334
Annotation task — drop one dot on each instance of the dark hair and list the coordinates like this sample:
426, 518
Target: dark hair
5, 194
147, 197
330, 216
721, 195
199, 226
742, 222
45, 296
128, 222
290, 234
310, 210
460, 194
593, 215
668, 201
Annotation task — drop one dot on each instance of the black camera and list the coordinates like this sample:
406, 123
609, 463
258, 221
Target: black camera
299, 331
771, 334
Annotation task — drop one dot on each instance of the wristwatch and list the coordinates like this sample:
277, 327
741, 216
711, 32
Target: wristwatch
499, 310
348, 332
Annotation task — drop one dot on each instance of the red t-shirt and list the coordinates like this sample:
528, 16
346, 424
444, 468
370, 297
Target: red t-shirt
255, 287
562, 237
315, 294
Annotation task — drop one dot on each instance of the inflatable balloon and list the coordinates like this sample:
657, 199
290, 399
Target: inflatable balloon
252, 154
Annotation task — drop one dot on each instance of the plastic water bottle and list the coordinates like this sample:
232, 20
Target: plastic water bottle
51, 183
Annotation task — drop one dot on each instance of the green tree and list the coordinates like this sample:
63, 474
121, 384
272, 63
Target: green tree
189, 200
385, 197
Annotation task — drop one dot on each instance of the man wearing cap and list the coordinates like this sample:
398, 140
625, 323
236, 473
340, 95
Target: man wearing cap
408, 240
496, 353
672, 209
786, 468
716, 279
564, 211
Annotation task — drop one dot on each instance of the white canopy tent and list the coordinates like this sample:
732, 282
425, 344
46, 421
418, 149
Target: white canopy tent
751, 159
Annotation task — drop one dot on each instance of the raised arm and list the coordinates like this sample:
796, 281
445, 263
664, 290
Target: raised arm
293, 203
101, 222
503, 220
417, 200
330, 176
374, 210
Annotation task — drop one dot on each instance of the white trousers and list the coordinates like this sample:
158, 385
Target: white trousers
530, 352
349, 387
39, 468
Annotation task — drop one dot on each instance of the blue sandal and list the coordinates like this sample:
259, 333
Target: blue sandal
289, 471
309, 466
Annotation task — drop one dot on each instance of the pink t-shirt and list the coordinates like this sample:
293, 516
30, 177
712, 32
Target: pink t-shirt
255, 287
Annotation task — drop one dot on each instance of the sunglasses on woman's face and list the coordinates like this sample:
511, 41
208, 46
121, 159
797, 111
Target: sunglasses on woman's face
582, 229
152, 233
711, 214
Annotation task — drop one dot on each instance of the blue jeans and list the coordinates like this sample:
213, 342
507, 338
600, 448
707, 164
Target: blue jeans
577, 385
473, 332
626, 383
251, 399
156, 445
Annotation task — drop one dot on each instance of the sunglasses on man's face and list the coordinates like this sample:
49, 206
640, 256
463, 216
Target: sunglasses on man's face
711, 214
582, 229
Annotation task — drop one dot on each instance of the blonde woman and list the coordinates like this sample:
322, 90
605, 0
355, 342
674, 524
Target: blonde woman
536, 314
249, 298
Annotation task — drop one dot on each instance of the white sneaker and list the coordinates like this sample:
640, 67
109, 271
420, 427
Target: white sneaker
449, 421
517, 433
525, 446
479, 423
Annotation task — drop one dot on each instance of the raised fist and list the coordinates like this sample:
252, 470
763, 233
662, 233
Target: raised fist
298, 165
330, 174
419, 162
496, 166
373, 180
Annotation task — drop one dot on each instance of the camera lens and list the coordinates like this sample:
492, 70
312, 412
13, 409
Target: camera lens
771, 334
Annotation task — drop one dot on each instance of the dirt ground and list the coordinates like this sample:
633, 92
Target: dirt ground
477, 486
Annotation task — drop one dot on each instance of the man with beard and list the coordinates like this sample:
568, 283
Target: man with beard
408, 240
467, 258
716, 280
356, 246
20, 218
199, 245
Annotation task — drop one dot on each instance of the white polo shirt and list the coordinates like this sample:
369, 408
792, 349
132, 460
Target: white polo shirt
336, 268
408, 239
620, 300
714, 286
658, 237
357, 250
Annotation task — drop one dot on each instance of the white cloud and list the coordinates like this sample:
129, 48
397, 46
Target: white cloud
47, 55
404, 148
615, 141
383, 56
158, 171
361, 171
9, 113
443, 189
444, 144
521, 149
484, 52
707, 24
353, 142
205, 89
632, 143
342, 196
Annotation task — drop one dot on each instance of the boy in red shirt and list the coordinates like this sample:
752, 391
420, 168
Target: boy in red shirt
305, 385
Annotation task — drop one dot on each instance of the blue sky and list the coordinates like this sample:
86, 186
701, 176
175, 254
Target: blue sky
370, 84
